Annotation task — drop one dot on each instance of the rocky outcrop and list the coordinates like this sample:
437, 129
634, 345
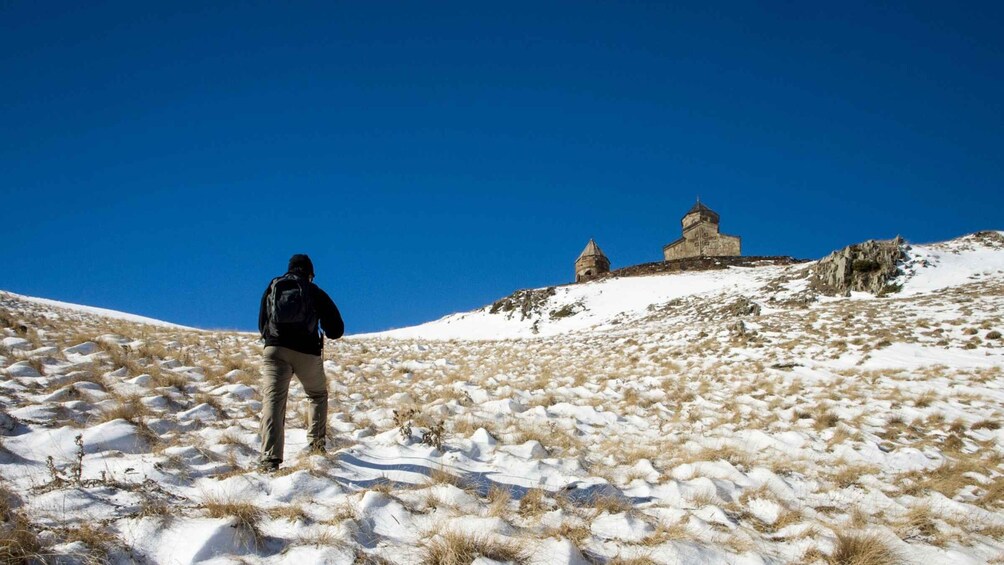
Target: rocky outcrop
864, 267
526, 303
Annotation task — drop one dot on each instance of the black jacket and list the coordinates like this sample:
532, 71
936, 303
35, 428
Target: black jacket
327, 314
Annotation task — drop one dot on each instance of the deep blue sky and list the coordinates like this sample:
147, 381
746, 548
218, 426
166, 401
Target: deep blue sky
432, 157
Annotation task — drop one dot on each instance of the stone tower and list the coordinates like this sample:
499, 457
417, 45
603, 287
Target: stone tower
591, 262
701, 237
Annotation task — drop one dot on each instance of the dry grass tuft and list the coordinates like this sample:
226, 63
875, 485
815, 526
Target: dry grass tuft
439, 476
99, 540
498, 501
323, 537
946, 479
664, 533
826, 420
847, 475
456, 548
986, 425
631, 561
611, 504
18, 541
533, 503
130, 409
340, 513
291, 512
862, 549
247, 517
994, 494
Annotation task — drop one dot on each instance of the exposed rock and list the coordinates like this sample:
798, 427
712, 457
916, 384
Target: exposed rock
863, 267
566, 311
526, 302
743, 306
738, 329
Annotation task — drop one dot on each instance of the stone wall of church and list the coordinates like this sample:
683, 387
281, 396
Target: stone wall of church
590, 267
714, 245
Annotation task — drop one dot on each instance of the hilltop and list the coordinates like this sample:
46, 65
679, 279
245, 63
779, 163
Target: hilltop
746, 414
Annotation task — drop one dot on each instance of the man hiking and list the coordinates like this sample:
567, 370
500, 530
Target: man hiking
293, 309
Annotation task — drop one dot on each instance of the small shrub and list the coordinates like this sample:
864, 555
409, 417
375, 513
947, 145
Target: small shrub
402, 421
434, 436
865, 265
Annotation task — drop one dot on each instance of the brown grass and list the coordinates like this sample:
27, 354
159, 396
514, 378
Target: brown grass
247, 516
439, 476
994, 494
946, 479
456, 548
919, 523
498, 501
610, 504
291, 512
664, 533
96, 538
862, 549
18, 540
576, 531
164, 378
847, 475
533, 503
130, 409
986, 425
826, 420
631, 561
324, 537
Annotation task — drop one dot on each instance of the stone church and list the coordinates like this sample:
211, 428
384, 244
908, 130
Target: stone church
591, 263
701, 237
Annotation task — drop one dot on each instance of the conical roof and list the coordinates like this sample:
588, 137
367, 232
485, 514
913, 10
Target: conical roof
591, 250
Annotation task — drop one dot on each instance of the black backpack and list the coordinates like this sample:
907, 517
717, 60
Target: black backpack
291, 307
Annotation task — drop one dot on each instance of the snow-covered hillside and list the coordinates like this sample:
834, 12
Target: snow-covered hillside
606, 303
728, 416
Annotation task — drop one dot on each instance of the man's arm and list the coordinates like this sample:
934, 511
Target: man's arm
263, 312
331, 318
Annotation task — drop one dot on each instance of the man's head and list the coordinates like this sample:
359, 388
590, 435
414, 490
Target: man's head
300, 264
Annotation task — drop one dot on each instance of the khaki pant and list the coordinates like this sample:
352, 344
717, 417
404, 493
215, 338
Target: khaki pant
279, 365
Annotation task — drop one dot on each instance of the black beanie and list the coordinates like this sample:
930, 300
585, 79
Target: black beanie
301, 262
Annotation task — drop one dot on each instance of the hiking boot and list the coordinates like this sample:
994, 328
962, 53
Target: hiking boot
268, 466
317, 447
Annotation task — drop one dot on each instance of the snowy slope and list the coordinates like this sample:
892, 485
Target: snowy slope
952, 263
599, 304
721, 417
104, 312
